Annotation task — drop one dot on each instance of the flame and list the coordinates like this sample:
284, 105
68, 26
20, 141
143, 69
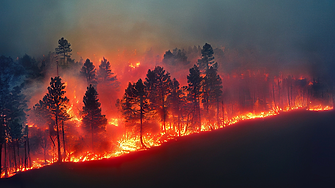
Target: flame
126, 144
114, 121
135, 65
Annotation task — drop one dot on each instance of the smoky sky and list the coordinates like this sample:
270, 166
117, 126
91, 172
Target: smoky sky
291, 31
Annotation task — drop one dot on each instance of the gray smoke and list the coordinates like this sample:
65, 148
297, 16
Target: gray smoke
290, 33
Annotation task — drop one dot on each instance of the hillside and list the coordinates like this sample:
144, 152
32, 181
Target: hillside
295, 149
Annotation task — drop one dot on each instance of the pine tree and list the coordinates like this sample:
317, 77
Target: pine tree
64, 50
16, 118
194, 85
141, 95
12, 103
207, 59
88, 71
134, 104
214, 90
205, 63
93, 121
56, 102
176, 100
158, 84
105, 73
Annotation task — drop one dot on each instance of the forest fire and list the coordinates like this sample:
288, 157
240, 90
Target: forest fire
69, 124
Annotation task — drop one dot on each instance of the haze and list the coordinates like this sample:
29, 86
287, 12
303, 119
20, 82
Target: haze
289, 31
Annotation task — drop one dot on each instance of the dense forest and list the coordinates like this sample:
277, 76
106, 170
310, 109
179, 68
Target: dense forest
52, 107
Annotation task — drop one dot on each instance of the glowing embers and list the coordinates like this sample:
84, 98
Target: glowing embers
114, 121
135, 65
320, 108
132, 143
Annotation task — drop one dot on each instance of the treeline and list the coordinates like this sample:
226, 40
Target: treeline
154, 108
161, 98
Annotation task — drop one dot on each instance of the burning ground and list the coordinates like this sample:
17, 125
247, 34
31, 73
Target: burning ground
290, 150
89, 113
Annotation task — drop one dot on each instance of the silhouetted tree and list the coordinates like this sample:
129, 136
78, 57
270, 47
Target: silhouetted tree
93, 121
64, 50
12, 103
207, 59
56, 101
214, 90
105, 73
16, 118
176, 58
89, 72
134, 104
141, 94
176, 100
194, 85
158, 85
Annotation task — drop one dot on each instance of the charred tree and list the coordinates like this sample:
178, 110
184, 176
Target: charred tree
93, 120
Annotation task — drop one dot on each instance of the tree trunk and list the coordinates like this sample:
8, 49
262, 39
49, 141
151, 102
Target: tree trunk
63, 139
92, 134
13, 146
199, 113
163, 108
280, 105
217, 113
58, 140
18, 154
223, 114
141, 117
179, 120
28, 147
25, 154
5, 162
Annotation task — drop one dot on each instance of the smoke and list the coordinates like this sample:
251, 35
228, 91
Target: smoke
280, 33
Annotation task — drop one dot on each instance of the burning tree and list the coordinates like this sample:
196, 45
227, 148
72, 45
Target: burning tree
158, 85
176, 101
194, 85
93, 121
56, 102
213, 84
135, 104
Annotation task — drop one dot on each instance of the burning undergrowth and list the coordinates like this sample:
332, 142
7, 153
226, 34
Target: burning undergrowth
95, 110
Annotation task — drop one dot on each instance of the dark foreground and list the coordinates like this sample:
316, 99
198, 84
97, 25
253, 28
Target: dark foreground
296, 149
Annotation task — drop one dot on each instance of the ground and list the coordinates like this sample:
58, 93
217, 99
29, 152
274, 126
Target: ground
295, 149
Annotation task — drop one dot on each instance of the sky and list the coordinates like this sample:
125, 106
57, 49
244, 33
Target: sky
291, 31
